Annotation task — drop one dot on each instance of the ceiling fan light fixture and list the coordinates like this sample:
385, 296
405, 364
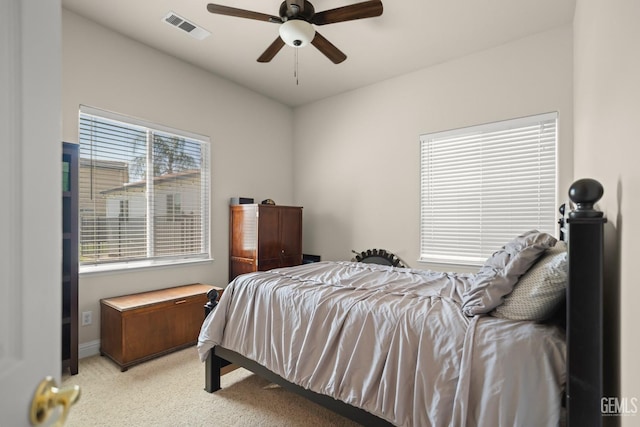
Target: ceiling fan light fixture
297, 33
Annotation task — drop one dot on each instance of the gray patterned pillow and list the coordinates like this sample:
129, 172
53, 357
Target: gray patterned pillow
538, 293
502, 270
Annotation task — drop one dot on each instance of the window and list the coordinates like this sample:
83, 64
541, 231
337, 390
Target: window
483, 185
144, 193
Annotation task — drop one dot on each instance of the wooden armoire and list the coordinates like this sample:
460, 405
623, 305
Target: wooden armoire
262, 237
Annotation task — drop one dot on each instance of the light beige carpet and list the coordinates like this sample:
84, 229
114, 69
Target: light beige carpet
169, 391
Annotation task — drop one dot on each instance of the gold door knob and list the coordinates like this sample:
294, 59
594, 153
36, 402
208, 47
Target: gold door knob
47, 397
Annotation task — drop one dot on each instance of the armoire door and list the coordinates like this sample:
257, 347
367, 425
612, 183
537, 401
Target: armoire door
269, 246
291, 236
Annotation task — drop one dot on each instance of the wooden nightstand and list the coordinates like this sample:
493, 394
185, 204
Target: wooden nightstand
135, 328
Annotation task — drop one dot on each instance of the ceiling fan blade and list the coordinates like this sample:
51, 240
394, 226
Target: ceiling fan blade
242, 13
271, 51
367, 9
328, 49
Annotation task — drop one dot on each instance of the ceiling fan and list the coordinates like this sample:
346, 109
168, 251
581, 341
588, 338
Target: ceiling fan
296, 18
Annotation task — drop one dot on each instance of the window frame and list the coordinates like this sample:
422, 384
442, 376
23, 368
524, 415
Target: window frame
152, 260
489, 237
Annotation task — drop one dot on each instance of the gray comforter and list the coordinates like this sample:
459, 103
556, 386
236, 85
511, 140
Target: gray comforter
393, 342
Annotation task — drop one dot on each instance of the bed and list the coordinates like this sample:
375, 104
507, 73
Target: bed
398, 346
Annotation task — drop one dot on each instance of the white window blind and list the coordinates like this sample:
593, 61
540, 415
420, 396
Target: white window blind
144, 193
483, 185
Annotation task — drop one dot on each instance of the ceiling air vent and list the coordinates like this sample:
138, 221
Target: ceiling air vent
192, 29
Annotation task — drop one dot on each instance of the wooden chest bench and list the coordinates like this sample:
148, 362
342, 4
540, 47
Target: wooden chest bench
138, 327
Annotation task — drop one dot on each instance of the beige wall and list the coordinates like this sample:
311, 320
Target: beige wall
356, 159
251, 139
607, 125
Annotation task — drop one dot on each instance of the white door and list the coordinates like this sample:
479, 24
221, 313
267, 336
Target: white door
30, 206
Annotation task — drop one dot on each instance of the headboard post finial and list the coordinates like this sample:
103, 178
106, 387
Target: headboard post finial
585, 193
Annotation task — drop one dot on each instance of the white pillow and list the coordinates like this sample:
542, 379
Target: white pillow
540, 290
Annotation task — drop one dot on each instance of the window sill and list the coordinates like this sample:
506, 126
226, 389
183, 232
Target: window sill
87, 270
450, 261
450, 265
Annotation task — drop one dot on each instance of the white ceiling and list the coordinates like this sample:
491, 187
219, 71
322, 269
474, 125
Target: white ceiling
410, 35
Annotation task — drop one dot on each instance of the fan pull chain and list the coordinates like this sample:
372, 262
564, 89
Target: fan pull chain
295, 66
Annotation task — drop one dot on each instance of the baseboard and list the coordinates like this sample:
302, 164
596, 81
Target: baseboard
88, 349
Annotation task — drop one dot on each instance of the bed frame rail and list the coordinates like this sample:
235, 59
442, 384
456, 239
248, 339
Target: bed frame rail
221, 356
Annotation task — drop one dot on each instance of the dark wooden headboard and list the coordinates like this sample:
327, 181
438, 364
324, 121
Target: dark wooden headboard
585, 236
